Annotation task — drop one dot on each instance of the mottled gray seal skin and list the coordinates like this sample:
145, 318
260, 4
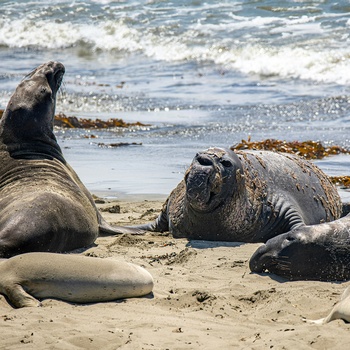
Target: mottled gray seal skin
318, 252
43, 204
73, 278
340, 311
247, 196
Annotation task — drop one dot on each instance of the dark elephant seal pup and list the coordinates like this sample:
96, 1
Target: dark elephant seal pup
43, 204
247, 196
73, 278
318, 252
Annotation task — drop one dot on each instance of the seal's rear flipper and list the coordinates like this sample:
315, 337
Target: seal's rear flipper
320, 321
18, 297
340, 311
106, 230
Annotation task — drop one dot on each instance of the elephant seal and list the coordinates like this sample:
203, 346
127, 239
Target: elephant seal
340, 311
43, 204
247, 196
317, 252
69, 277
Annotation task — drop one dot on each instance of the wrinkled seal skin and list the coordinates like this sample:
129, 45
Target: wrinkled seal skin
43, 204
247, 196
318, 252
73, 278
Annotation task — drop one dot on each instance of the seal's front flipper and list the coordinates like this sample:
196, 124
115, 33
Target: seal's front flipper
152, 227
161, 224
345, 209
18, 297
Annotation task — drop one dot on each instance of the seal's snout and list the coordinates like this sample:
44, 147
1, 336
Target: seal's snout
198, 182
258, 260
200, 179
58, 70
59, 76
52, 71
200, 173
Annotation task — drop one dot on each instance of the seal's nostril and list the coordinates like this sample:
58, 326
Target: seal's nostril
204, 161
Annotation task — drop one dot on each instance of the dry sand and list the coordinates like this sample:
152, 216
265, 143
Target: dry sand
204, 298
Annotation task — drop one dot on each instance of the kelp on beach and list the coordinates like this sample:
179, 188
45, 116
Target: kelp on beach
63, 121
118, 144
72, 122
306, 149
343, 181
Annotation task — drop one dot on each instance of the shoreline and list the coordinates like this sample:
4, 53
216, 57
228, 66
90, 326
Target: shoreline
129, 197
151, 197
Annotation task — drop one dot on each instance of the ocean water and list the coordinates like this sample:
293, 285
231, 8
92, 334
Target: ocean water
200, 73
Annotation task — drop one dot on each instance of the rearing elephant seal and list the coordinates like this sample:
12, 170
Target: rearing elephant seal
247, 196
43, 204
69, 277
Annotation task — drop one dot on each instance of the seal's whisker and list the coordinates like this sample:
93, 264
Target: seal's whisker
284, 260
62, 89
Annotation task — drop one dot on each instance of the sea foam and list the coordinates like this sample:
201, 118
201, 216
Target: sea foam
312, 61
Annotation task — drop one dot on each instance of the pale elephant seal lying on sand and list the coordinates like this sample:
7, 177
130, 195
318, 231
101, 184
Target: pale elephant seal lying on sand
340, 311
247, 196
43, 204
73, 278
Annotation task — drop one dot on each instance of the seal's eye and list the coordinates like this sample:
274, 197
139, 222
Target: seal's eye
45, 92
226, 163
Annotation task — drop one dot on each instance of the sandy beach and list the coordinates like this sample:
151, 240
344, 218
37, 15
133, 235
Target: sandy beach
204, 298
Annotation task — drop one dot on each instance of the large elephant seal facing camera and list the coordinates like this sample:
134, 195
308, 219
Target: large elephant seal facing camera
43, 204
247, 196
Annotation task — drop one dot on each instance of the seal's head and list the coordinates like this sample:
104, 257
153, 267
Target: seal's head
300, 254
30, 112
212, 177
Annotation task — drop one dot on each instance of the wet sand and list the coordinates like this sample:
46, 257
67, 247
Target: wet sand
204, 298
